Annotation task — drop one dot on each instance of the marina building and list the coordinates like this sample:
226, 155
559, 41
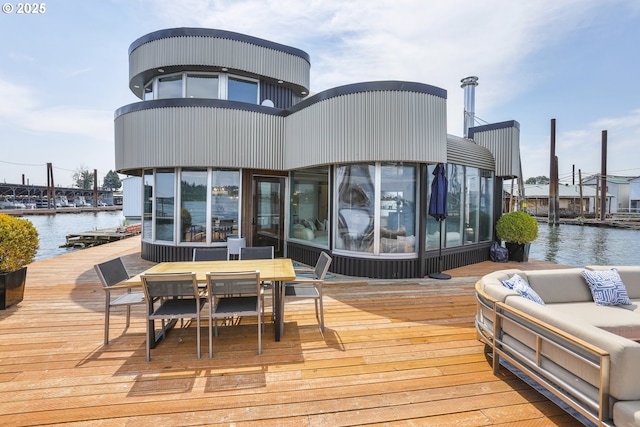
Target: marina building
230, 142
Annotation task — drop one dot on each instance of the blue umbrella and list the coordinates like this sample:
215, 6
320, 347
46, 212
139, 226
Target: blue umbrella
439, 191
438, 209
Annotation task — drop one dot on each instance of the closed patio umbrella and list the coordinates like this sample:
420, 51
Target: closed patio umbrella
438, 210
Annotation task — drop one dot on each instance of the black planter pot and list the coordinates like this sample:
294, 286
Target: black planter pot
518, 252
12, 287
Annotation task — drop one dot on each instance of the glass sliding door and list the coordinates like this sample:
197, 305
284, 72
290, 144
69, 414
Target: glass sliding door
268, 212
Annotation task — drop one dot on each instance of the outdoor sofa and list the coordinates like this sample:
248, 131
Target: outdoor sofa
586, 354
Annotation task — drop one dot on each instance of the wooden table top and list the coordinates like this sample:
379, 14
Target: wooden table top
278, 269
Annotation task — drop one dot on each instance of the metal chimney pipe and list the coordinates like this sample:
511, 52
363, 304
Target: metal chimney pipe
469, 85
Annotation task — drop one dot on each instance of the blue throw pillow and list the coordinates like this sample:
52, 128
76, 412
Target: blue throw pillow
519, 285
606, 287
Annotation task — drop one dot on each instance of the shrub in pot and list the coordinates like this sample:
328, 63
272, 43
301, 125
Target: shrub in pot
18, 247
517, 229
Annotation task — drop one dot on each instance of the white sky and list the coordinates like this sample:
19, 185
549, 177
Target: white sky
63, 73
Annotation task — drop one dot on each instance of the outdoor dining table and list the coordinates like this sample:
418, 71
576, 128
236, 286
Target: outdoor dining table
277, 270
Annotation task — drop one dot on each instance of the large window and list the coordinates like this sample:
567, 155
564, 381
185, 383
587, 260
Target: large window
397, 208
202, 85
356, 207
469, 203
225, 204
193, 206
310, 206
165, 204
147, 205
376, 208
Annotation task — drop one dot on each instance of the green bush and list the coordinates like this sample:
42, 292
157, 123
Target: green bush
517, 227
18, 243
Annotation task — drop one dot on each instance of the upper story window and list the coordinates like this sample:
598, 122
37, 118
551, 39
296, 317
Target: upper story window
242, 90
203, 85
170, 87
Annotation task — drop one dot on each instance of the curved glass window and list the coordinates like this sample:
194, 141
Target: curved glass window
310, 206
470, 208
355, 207
397, 208
202, 85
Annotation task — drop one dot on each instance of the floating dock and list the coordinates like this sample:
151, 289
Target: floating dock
89, 239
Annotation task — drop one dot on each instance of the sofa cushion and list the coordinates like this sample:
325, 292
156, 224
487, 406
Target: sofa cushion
519, 285
559, 285
607, 287
622, 320
630, 275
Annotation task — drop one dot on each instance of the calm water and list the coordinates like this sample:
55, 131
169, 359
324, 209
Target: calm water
53, 229
578, 246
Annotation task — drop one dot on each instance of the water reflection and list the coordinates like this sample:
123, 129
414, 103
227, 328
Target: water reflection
578, 246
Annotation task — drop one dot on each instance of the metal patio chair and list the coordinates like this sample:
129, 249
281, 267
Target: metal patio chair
234, 295
112, 274
310, 287
178, 297
210, 254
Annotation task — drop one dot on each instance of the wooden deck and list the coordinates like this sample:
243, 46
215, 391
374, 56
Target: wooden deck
395, 353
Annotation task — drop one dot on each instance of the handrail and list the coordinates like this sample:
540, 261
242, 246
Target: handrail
534, 366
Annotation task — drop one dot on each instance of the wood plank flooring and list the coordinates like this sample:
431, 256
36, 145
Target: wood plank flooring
394, 353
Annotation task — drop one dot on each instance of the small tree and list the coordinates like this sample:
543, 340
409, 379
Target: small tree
83, 178
537, 180
112, 181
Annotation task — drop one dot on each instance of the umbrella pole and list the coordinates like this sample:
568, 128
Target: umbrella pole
440, 275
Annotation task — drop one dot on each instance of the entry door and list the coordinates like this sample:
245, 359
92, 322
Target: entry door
268, 212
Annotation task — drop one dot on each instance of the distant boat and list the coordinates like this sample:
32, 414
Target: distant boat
11, 204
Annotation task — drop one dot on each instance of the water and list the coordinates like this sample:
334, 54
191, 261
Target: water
577, 246
53, 229
571, 245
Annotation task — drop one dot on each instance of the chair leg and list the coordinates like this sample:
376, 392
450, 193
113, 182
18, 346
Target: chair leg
210, 337
128, 316
321, 313
259, 335
107, 312
198, 334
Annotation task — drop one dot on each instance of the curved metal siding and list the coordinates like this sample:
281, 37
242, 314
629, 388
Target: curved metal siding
464, 152
198, 136
218, 52
368, 126
282, 97
505, 146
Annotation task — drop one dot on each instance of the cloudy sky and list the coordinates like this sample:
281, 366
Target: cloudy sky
64, 72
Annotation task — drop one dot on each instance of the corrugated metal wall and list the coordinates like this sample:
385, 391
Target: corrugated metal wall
198, 136
368, 126
462, 151
504, 144
219, 52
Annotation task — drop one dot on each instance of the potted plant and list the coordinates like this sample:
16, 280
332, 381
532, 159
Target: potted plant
517, 229
18, 247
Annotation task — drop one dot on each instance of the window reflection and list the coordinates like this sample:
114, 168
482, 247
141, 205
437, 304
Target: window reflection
310, 206
225, 204
170, 87
202, 86
193, 206
165, 204
147, 208
397, 208
356, 204
455, 219
242, 90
